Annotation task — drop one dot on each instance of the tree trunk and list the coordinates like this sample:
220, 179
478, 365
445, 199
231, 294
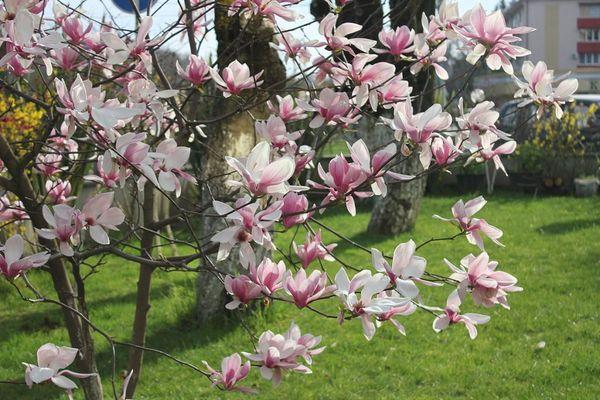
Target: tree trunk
79, 332
247, 41
397, 212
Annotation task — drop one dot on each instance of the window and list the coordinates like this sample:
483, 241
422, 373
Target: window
589, 10
589, 35
589, 58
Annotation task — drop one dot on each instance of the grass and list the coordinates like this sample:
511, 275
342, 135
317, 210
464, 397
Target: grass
552, 246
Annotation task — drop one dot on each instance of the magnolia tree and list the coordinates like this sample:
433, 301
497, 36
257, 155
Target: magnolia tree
114, 121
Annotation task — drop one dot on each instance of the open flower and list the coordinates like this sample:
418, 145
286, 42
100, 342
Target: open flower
463, 218
12, 262
305, 290
275, 132
259, 174
332, 108
235, 78
51, 363
242, 289
396, 42
335, 35
451, 315
196, 72
268, 275
232, 372
406, 267
65, 225
479, 276
98, 216
314, 249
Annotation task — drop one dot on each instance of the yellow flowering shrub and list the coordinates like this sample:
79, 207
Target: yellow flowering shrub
19, 119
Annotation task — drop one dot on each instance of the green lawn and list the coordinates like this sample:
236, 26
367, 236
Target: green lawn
552, 246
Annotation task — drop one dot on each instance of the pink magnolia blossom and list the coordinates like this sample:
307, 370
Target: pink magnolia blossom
538, 88
79, 99
444, 151
366, 307
235, 78
314, 249
275, 132
479, 276
52, 362
323, 69
404, 308
303, 156
268, 275
248, 225
419, 127
494, 154
19, 66
74, 29
448, 18
452, 316
341, 182
12, 262
480, 123
387, 95
332, 108
293, 48
169, 160
396, 42
293, 210
259, 174
406, 268
429, 57
277, 353
196, 72
488, 36
66, 58
463, 218
65, 225
58, 191
306, 289
266, 8
242, 289
374, 168
110, 173
286, 109
232, 372
11, 211
335, 35
48, 164
98, 216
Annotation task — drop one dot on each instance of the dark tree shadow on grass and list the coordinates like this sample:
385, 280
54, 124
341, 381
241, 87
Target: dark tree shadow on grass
557, 228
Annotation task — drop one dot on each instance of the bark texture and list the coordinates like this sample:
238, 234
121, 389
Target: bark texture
397, 212
247, 41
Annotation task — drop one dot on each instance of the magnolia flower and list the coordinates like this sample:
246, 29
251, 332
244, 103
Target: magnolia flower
444, 151
405, 307
259, 174
488, 36
538, 88
73, 28
242, 289
419, 127
12, 262
11, 211
479, 276
314, 249
169, 160
266, 8
109, 172
234, 78
248, 225
397, 42
232, 372
196, 72
332, 108
406, 268
292, 47
452, 316
138, 48
366, 307
294, 205
335, 35
341, 181
304, 290
268, 275
462, 217
58, 191
494, 154
98, 216
373, 168
51, 363
286, 109
48, 164
480, 123
66, 58
394, 91
275, 132
277, 353
65, 225
427, 57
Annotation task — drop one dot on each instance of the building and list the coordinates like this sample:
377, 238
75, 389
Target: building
567, 38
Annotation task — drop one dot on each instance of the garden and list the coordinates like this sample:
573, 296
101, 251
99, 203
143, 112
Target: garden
270, 198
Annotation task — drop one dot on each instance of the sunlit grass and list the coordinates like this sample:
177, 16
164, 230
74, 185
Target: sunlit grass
552, 246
